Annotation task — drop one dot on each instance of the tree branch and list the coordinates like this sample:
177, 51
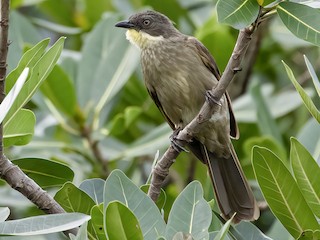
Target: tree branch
11, 173
161, 169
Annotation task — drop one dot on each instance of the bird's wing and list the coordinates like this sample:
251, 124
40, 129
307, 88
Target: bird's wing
210, 63
152, 92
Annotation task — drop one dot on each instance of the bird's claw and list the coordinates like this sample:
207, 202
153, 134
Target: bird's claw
173, 138
211, 98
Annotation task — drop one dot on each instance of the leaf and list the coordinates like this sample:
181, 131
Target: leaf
305, 98
4, 213
301, 20
182, 236
7, 102
19, 130
94, 188
82, 233
282, 193
72, 199
43, 224
119, 188
38, 74
265, 121
97, 222
121, 223
107, 63
59, 89
161, 201
44, 172
131, 114
224, 230
237, 13
29, 59
307, 173
22, 32
247, 230
313, 75
190, 213
310, 235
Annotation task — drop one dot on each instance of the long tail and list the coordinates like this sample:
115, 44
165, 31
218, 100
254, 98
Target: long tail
232, 190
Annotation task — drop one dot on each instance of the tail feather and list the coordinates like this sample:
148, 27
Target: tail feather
232, 190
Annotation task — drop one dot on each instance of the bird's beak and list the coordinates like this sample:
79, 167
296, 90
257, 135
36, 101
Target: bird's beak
125, 24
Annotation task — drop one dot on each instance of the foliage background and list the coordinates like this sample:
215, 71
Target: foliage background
93, 107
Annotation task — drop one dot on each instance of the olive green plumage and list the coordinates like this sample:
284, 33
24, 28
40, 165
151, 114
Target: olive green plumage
178, 70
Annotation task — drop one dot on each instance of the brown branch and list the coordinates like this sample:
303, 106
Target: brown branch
161, 169
11, 173
94, 146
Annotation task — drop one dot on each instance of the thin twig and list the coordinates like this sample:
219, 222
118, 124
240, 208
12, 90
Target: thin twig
161, 170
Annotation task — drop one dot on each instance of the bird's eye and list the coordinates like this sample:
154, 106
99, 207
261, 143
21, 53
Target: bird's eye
146, 22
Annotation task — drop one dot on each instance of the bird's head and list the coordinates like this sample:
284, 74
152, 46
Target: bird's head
147, 27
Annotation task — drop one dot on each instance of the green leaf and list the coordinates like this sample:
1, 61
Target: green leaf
43, 224
94, 188
131, 114
190, 213
266, 122
107, 63
282, 193
7, 102
119, 188
44, 172
247, 230
307, 173
59, 89
310, 235
22, 32
224, 230
182, 236
305, 98
97, 222
313, 75
301, 20
4, 213
29, 59
120, 223
72, 199
19, 130
39, 73
237, 13
161, 201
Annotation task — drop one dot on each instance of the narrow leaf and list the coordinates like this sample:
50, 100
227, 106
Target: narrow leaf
43, 224
282, 193
120, 223
237, 13
301, 20
224, 230
313, 74
305, 98
39, 73
307, 173
97, 222
11, 97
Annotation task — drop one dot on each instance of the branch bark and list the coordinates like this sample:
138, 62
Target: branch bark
11, 173
161, 169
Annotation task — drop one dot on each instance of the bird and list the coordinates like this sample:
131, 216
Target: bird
178, 71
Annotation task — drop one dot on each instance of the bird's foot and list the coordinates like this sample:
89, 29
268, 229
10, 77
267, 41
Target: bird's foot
174, 142
211, 98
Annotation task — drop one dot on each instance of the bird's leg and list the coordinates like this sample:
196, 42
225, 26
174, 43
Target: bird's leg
211, 99
175, 141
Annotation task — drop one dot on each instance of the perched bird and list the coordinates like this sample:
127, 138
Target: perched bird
178, 70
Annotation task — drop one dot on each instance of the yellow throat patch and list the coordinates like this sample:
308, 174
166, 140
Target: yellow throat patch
142, 39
